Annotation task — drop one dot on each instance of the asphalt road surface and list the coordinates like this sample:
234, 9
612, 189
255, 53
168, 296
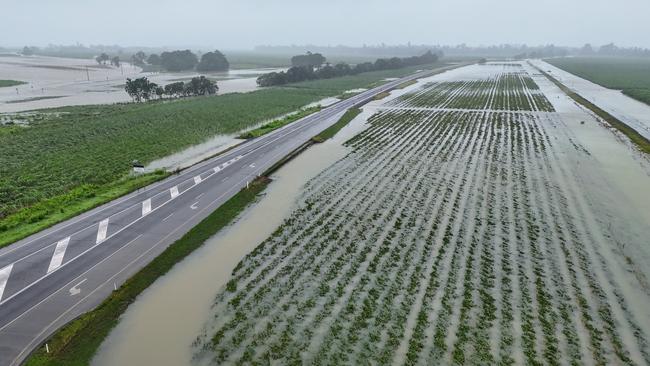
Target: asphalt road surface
50, 278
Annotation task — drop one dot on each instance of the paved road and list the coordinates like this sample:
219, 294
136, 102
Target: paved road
52, 277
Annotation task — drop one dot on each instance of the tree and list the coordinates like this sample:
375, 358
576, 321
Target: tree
101, 59
160, 91
153, 59
342, 69
308, 60
326, 72
28, 51
271, 79
140, 88
213, 61
363, 67
178, 60
587, 49
200, 86
175, 89
138, 58
115, 61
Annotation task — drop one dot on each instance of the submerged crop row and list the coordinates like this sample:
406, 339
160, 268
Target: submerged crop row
445, 236
503, 89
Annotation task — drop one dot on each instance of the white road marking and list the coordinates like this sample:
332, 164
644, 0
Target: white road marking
4, 276
217, 169
75, 290
165, 219
146, 207
197, 179
252, 165
194, 205
199, 196
101, 231
59, 252
174, 191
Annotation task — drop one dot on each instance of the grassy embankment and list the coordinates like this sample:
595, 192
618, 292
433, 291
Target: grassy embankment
349, 115
641, 142
74, 158
630, 75
280, 122
6, 83
77, 342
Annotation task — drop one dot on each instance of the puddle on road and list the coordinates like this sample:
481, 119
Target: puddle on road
159, 327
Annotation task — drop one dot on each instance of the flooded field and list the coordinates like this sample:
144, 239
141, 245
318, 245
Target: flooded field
55, 82
151, 332
480, 219
630, 111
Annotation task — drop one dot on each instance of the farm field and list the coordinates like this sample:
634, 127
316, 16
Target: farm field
58, 157
630, 75
459, 230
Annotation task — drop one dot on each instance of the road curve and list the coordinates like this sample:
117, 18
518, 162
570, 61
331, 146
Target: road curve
50, 278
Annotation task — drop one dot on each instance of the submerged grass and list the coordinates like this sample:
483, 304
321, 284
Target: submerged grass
631, 75
637, 139
349, 115
77, 342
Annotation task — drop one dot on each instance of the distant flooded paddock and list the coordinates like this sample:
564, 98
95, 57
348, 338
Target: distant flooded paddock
55, 82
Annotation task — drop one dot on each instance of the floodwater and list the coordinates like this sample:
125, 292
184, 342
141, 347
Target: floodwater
55, 82
634, 113
160, 326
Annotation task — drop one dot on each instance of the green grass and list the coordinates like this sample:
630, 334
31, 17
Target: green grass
6, 83
51, 211
274, 125
349, 115
641, 142
631, 75
67, 148
381, 95
77, 342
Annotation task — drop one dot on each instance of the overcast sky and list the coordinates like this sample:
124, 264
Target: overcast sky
242, 24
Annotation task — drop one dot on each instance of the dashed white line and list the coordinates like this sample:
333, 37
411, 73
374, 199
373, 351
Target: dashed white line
199, 196
197, 179
4, 276
174, 191
170, 215
217, 169
146, 207
101, 231
59, 252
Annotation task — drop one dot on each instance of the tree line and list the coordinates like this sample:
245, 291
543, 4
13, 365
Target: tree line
327, 71
141, 89
184, 60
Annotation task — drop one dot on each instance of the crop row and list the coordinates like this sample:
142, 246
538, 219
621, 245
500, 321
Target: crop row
445, 236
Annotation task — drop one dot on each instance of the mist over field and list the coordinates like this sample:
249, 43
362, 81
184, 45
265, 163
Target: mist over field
245, 24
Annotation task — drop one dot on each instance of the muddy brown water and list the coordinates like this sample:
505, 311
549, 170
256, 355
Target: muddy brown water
159, 327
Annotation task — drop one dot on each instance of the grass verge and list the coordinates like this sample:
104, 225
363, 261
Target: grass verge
333, 129
6, 83
641, 142
381, 95
406, 84
281, 122
77, 342
51, 211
